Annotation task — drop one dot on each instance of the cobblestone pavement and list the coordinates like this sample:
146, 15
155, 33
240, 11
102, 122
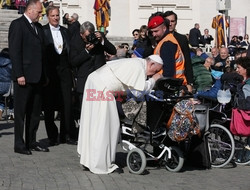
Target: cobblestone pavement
59, 169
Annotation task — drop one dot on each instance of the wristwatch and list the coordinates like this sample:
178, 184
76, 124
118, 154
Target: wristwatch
191, 84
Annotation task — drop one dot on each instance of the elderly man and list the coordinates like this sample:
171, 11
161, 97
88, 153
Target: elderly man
195, 35
214, 52
74, 27
220, 60
99, 123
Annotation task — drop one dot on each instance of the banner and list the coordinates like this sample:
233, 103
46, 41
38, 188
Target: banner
237, 27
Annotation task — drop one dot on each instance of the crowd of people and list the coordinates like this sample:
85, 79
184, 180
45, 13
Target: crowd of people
76, 70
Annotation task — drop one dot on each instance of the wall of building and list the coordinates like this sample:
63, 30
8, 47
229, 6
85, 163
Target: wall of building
130, 14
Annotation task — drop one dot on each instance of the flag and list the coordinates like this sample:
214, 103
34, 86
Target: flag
220, 25
102, 12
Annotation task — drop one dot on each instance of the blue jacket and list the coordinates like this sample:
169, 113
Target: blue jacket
5, 75
212, 93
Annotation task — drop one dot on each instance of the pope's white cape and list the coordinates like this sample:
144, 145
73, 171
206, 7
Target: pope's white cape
99, 122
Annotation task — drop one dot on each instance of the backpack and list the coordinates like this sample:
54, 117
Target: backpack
183, 122
240, 101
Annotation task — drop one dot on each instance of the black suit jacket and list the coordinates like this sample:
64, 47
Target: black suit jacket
50, 50
194, 37
26, 47
183, 42
58, 69
74, 28
85, 62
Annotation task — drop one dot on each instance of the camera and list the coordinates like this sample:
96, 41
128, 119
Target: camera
92, 39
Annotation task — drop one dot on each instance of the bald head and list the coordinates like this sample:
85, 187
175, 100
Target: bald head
223, 53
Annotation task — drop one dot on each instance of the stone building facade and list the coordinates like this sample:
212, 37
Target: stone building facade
127, 15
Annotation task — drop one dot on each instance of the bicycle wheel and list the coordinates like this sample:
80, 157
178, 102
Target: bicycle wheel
242, 151
175, 163
221, 145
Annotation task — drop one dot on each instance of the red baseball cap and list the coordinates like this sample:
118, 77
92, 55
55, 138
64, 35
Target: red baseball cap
155, 21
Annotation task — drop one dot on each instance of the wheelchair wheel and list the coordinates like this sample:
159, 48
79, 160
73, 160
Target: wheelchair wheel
175, 163
221, 145
136, 161
242, 152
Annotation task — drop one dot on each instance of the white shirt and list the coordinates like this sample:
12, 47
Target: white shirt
57, 38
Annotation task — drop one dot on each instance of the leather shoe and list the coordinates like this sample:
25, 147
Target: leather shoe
53, 143
39, 148
118, 170
71, 141
85, 168
22, 151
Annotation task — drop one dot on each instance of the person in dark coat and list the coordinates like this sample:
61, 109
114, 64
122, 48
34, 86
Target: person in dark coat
183, 42
206, 38
74, 26
87, 53
57, 95
195, 35
26, 48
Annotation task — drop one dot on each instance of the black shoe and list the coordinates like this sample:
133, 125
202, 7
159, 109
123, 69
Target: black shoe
53, 143
22, 151
118, 170
39, 148
71, 141
62, 141
85, 168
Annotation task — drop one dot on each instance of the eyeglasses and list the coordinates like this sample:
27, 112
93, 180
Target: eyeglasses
124, 46
136, 34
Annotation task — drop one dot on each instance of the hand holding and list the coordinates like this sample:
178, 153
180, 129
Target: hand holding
99, 36
89, 46
157, 76
219, 64
21, 81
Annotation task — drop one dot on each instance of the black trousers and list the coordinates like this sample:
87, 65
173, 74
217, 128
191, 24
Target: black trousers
58, 96
27, 108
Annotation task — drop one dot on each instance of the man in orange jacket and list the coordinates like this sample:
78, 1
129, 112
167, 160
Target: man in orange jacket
168, 48
173, 60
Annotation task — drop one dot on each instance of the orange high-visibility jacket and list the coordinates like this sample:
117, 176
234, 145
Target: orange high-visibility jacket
179, 57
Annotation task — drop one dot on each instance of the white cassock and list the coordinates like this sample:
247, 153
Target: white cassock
99, 122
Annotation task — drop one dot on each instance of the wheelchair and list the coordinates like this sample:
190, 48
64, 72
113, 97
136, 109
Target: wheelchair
140, 145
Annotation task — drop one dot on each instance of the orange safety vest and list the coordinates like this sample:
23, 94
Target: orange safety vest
179, 57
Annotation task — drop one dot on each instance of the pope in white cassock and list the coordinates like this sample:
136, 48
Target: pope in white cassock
99, 122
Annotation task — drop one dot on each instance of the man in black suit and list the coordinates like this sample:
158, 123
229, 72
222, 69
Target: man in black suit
74, 27
26, 52
183, 42
57, 95
195, 36
87, 53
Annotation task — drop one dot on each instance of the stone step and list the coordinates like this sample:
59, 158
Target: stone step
6, 16
4, 36
9, 11
3, 45
9, 19
4, 26
117, 40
